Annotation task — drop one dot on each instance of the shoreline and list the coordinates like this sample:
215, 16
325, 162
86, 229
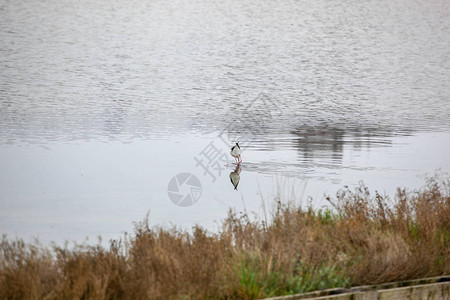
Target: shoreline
364, 239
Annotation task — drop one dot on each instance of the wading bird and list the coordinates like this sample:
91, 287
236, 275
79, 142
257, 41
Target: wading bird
236, 153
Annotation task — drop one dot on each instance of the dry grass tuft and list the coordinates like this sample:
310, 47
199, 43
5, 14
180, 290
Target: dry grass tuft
364, 239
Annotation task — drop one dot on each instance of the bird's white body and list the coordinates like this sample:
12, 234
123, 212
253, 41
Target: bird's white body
236, 152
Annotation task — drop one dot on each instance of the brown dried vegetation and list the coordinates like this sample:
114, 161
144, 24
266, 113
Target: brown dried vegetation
364, 239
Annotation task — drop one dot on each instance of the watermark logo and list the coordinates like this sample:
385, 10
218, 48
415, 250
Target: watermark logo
184, 189
246, 125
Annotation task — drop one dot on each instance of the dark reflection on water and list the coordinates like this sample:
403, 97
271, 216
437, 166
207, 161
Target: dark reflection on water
330, 141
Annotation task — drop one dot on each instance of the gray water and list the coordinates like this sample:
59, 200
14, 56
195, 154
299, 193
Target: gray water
102, 103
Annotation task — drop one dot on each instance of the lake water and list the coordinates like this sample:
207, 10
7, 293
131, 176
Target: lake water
103, 103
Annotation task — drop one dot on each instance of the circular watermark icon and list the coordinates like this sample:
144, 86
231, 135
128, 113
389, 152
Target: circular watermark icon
184, 189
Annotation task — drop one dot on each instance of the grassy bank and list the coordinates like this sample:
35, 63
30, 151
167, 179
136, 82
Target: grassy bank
364, 239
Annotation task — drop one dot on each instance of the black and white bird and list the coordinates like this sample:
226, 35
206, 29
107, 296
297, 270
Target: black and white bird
236, 153
235, 176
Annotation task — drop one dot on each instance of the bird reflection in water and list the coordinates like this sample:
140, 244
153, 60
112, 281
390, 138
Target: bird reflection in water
235, 177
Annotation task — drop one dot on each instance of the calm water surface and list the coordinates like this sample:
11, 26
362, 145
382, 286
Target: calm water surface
102, 103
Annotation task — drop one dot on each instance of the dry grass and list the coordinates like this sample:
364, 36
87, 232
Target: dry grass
364, 239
